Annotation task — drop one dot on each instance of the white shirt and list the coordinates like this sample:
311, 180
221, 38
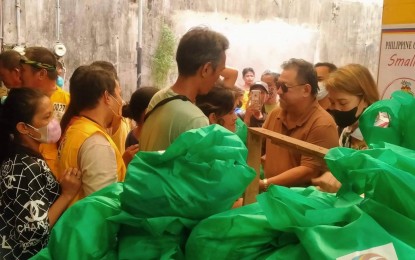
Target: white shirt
97, 160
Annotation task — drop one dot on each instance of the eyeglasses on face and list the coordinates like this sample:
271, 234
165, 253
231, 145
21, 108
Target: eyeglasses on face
39, 65
284, 86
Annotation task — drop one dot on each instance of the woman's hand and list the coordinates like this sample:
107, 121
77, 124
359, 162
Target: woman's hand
129, 153
71, 182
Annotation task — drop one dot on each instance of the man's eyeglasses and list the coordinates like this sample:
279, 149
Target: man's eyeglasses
36, 64
284, 86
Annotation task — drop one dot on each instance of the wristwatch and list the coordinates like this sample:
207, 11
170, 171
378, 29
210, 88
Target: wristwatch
266, 184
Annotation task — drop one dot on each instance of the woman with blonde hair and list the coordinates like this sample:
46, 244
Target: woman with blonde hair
351, 90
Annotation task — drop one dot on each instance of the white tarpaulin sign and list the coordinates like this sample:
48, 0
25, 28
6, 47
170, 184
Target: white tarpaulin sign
397, 59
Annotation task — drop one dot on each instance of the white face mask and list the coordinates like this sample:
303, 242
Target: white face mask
49, 133
322, 93
119, 107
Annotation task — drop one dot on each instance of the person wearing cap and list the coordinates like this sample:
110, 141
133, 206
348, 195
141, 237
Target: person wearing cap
255, 114
38, 69
323, 70
271, 78
298, 116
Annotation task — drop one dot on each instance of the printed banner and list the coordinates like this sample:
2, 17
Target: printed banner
397, 59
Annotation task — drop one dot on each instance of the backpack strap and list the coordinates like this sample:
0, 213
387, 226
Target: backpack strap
165, 101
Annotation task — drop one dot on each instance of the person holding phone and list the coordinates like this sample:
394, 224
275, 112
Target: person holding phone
255, 114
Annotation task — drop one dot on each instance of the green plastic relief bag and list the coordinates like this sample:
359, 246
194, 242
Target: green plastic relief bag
399, 130
328, 232
241, 130
201, 173
398, 225
242, 233
84, 231
385, 174
386, 177
152, 238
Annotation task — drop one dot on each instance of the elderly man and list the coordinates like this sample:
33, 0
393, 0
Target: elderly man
301, 117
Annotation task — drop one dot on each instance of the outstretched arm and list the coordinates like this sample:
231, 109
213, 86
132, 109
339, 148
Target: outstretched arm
230, 75
297, 176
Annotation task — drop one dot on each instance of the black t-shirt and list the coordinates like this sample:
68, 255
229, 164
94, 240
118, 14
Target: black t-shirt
27, 191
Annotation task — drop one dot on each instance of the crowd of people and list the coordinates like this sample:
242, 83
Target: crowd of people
59, 147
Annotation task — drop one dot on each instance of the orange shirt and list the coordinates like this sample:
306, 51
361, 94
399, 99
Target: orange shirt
316, 127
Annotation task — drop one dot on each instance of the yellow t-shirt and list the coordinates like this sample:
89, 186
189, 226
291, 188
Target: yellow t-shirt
245, 100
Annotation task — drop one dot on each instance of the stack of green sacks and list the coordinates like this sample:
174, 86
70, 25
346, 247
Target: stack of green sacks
176, 205
165, 194
371, 217
300, 223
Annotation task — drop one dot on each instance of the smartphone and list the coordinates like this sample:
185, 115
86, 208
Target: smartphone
256, 97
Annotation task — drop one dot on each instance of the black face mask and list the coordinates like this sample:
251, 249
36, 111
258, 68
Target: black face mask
344, 118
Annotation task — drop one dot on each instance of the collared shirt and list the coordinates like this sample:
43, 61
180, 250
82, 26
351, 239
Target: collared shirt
352, 138
315, 127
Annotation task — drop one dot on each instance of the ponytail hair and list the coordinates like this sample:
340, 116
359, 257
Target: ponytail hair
138, 103
86, 86
20, 106
72, 111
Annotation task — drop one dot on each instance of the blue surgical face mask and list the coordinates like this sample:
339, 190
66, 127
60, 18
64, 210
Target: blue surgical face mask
59, 81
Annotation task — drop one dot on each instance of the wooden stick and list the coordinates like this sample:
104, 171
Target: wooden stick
254, 160
255, 137
289, 142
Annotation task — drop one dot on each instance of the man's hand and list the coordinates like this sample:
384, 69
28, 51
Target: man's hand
327, 182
